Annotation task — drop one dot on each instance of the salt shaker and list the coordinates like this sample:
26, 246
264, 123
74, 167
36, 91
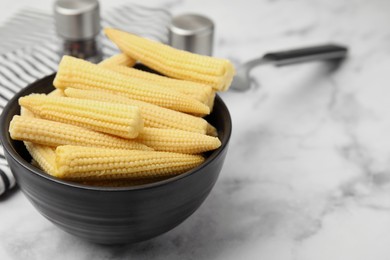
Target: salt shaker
78, 27
192, 32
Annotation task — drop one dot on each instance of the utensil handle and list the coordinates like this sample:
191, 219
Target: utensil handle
321, 52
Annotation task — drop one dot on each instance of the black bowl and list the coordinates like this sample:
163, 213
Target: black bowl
109, 215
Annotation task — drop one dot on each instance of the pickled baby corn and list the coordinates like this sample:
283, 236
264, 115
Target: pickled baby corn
175, 63
153, 116
27, 113
90, 163
178, 141
116, 119
201, 92
118, 59
44, 156
52, 133
77, 73
81, 131
57, 93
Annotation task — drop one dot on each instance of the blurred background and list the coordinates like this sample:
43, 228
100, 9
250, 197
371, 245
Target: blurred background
307, 175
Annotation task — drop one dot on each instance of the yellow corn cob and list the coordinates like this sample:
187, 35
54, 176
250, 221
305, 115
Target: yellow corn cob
200, 92
77, 73
116, 119
178, 141
44, 156
90, 163
36, 164
118, 59
52, 133
211, 130
25, 112
175, 63
153, 116
57, 93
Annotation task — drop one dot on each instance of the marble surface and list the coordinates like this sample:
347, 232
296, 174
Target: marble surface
307, 175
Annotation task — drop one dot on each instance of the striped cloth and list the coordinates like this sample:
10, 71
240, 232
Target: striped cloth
30, 51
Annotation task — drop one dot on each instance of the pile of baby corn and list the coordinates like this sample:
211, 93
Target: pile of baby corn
110, 124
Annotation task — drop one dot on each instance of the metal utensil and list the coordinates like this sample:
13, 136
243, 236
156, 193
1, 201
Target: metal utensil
242, 82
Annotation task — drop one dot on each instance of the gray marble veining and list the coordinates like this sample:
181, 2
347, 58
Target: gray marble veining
308, 171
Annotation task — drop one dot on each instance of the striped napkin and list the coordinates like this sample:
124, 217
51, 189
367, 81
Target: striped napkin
30, 51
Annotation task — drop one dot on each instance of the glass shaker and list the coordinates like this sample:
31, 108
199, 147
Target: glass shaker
78, 28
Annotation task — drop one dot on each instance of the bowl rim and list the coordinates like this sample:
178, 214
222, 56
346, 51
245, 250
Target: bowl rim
4, 137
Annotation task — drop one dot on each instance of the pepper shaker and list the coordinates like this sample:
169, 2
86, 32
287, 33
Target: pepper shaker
78, 27
192, 32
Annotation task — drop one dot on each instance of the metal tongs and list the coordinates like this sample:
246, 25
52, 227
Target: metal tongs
331, 52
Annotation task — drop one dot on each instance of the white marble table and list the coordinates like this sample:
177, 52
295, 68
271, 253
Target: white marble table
307, 175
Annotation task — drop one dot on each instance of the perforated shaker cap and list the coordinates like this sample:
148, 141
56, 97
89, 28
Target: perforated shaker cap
192, 32
77, 19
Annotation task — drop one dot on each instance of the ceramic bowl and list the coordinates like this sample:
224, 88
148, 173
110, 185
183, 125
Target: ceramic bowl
109, 215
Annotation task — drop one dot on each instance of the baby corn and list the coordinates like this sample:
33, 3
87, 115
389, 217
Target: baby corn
118, 59
77, 73
52, 133
175, 63
27, 113
178, 141
90, 163
116, 119
57, 93
201, 92
44, 156
153, 116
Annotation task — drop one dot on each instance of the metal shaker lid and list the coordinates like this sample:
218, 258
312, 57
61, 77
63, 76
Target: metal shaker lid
192, 32
77, 19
